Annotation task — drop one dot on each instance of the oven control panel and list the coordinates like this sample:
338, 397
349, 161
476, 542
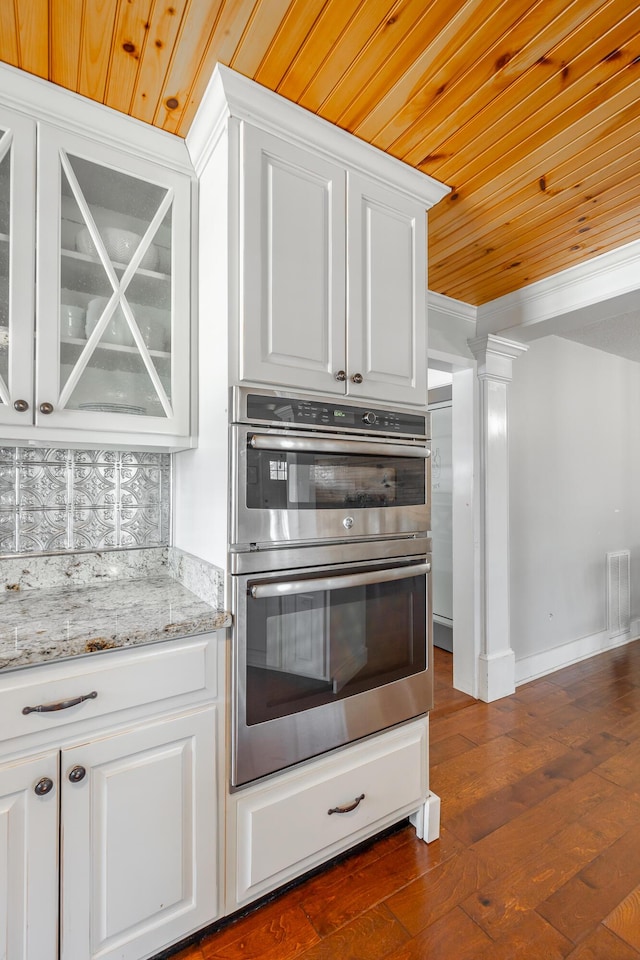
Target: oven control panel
327, 414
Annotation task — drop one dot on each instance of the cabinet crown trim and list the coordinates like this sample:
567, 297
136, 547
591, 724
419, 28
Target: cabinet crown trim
229, 94
42, 100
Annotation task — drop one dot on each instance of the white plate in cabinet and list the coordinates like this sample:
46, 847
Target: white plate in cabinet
285, 827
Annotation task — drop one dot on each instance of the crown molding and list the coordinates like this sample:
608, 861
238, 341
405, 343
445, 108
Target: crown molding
587, 284
43, 100
229, 94
450, 308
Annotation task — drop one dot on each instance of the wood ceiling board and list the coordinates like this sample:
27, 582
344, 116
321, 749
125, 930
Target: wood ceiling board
550, 110
33, 36
488, 98
485, 53
357, 38
530, 93
485, 224
320, 41
256, 39
156, 57
603, 215
287, 40
571, 243
537, 224
127, 48
95, 52
211, 32
65, 26
353, 90
390, 116
9, 35
585, 135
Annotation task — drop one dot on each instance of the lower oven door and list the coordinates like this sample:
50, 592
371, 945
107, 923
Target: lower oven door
324, 656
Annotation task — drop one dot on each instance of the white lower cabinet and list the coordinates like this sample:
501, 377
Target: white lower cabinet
29, 858
136, 809
110, 816
284, 827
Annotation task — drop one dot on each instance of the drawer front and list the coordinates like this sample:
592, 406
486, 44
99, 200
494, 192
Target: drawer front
285, 828
110, 682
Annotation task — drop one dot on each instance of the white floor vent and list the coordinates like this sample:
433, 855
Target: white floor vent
619, 592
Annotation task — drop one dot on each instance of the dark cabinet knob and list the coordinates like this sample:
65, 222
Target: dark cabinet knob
43, 786
46, 408
341, 376
357, 378
76, 774
20, 406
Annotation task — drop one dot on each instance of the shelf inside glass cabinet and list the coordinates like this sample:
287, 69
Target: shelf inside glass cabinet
109, 356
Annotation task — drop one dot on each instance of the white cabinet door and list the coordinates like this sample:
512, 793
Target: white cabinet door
386, 315
17, 264
139, 849
113, 281
293, 314
29, 859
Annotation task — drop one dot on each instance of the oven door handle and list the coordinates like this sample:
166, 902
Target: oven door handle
260, 441
260, 591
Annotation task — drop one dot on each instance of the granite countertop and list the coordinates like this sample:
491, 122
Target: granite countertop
52, 608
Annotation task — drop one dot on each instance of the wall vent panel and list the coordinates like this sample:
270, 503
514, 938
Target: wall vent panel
619, 592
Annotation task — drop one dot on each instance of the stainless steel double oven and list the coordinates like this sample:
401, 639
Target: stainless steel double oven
330, 563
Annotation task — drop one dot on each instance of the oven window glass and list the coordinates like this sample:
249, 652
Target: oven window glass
317, 481
315, 647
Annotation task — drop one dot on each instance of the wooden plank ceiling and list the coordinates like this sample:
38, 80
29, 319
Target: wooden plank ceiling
528, 109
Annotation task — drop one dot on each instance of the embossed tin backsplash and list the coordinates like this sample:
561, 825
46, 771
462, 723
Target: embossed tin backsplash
58, 499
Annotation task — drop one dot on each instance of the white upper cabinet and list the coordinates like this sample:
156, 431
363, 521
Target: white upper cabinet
294, 281
322, 272
386, 309
95, 263
17, 268
334, 277
108, 305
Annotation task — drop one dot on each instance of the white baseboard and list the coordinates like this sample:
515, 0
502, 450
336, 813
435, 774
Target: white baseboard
548, 661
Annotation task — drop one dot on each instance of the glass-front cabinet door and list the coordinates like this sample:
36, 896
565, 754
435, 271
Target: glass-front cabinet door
17, 243
112, 342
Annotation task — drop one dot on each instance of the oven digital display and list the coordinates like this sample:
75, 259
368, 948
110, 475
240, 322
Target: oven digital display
344, 415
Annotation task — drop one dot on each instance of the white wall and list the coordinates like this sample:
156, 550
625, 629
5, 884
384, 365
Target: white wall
574, 465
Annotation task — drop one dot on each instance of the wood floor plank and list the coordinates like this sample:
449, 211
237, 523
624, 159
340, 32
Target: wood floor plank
432, 896
453, 936
353, 895
585, 900
499, 905
530, 933
603, 945
374, 935
272, 933
624, 920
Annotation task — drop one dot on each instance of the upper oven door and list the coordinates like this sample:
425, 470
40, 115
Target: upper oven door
291, 486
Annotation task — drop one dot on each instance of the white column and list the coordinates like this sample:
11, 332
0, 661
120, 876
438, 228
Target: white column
496, 664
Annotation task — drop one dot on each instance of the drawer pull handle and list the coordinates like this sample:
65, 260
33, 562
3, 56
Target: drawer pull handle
43, 787
61, 704
349, 807
77, 773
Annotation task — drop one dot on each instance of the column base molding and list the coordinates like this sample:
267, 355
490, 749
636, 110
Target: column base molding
426, 819
496, 675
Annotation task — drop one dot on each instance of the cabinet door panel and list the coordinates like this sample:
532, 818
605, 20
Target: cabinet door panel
294, 281
29, 860
386, 321
131, 828
111, 289
17, 264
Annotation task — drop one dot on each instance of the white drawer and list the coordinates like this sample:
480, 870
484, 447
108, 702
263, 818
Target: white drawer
117, 680
284, 828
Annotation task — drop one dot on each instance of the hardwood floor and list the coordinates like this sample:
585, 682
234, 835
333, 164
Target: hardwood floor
539, 855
